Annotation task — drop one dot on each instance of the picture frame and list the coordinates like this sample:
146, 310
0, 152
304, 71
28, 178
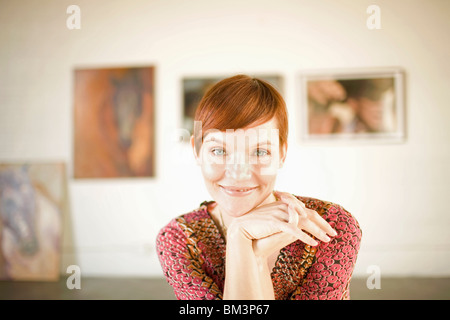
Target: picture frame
114, 122
359, 105
33, 204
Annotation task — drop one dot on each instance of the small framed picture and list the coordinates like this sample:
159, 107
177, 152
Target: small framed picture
33, 203
356, 105
114, 122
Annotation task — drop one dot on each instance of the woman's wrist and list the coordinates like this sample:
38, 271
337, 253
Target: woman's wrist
239, 242
248, 276
237, 236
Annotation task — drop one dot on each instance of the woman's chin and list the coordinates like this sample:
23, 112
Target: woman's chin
237, 211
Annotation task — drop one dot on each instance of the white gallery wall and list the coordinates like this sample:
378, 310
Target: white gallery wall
397, 191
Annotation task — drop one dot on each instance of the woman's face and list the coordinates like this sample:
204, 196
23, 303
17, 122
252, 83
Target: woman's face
240, 166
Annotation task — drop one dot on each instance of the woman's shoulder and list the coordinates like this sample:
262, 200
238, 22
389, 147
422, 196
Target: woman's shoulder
195, 215
316, 204
189, 227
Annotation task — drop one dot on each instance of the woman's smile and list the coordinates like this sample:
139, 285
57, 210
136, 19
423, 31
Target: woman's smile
237, 191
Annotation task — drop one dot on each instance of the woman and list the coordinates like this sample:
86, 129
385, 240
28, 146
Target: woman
269, 244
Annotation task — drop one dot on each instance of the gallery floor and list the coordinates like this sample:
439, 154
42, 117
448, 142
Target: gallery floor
158, 289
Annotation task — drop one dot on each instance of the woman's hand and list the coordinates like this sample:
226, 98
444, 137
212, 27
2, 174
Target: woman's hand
277, 224
308, 219
253, 237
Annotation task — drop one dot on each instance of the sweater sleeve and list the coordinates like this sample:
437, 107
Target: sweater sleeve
330, 274
182, 265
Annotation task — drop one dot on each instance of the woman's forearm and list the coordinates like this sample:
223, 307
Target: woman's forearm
247, 276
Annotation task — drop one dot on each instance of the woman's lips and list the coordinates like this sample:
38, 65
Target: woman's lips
238, 192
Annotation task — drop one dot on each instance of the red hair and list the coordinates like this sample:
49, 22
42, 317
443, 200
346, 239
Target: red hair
239, 102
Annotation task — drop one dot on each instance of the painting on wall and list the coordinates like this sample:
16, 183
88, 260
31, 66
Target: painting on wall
33, 198
114, 122
194, 89
361, 104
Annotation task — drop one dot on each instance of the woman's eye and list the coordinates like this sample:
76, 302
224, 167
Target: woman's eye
261, 153
218, 152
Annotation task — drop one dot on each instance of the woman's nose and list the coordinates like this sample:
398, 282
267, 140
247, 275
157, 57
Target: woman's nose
238, 171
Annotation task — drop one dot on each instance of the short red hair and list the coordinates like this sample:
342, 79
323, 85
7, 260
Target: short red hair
237, 103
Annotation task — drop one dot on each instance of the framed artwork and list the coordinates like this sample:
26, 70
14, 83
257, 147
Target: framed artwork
32, 203
114, 122
353, 105
194, 88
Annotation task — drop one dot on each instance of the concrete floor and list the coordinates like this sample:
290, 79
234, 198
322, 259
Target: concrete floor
158, 289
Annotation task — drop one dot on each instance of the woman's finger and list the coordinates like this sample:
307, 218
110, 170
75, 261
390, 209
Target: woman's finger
296, 232
277, 209
317, 219
293, 216
290, 199
306, 224
305, 212
323, 223
314, 229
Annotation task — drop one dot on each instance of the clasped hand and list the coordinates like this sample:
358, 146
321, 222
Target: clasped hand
273, 226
